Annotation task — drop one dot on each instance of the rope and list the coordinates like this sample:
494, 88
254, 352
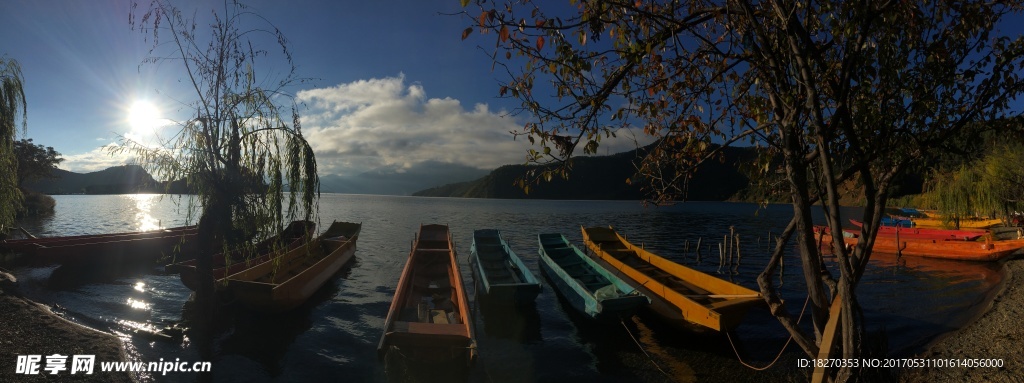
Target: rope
745, 364
644, 351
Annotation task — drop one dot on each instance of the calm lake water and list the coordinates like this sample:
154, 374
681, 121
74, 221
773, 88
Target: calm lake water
334, 336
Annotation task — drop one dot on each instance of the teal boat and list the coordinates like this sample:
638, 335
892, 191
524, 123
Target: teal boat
499, 271
589, 288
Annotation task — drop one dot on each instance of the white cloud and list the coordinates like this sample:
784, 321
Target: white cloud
384, 122
94, 160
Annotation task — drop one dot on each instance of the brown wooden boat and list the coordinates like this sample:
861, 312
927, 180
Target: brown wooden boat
677, 292
118, 251
958, 250
29, 245
285, 282
297, 233
429, 319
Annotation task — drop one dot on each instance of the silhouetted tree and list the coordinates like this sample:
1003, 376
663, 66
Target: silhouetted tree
238, 128
12, 108
35, 161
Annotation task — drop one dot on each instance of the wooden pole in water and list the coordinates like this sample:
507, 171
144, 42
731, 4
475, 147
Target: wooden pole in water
782, 269
721, 256
698, 246
737, 269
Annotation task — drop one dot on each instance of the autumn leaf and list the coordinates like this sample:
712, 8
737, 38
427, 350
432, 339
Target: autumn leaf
464, 3
466, 32
540, 42
503, 34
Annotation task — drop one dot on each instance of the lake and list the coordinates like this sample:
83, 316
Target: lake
334, 336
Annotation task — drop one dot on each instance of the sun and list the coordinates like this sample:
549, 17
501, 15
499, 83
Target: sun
143, 116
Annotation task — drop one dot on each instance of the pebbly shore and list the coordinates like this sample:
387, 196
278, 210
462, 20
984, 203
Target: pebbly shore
996, 335
29, 328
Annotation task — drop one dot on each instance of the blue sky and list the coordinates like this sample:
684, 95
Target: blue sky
388, 74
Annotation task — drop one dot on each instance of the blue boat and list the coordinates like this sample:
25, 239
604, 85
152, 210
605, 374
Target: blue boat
503, 276
589, 288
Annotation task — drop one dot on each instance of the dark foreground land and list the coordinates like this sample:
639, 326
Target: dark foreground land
997, 334
28, 328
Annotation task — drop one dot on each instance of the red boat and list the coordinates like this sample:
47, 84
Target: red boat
28, 245
119, 251
922, 233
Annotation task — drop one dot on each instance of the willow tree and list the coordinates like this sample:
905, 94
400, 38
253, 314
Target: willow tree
835, 92
989, 186
241, 148
12, 108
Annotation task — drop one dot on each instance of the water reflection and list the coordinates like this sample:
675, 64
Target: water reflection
144, 206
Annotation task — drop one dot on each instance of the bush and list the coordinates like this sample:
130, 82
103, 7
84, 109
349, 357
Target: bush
36, 204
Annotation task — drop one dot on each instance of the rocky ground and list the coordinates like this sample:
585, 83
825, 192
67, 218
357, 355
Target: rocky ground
997, 334
28, 328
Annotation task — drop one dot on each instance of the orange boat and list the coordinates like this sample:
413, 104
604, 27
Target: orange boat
429, 320
959, 250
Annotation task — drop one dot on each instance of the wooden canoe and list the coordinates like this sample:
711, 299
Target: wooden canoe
119, 251
285, 282
296, 234
938, 223
429, 319
29, 245
588, 287
502, 274
677, 292
958, 250
925, 233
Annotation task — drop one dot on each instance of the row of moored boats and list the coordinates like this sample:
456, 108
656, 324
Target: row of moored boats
953, 244
429, 317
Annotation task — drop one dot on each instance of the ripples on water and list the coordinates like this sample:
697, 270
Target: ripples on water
334, 336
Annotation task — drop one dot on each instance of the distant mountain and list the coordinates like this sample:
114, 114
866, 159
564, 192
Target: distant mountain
399, 181
114, 180
134, 179
603, 177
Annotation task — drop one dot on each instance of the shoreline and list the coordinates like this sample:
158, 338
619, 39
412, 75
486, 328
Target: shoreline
31, 328
994, 334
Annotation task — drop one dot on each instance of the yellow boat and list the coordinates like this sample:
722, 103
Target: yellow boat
678, 293
939, 223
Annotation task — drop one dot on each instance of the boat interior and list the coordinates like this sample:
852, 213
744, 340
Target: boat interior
577, 268
629, 257
495, 261
431, 296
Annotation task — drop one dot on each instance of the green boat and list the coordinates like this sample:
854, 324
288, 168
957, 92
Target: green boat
589, 288
502, 274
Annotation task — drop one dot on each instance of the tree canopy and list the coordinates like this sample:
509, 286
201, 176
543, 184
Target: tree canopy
35, 161
12, 109
835, 92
